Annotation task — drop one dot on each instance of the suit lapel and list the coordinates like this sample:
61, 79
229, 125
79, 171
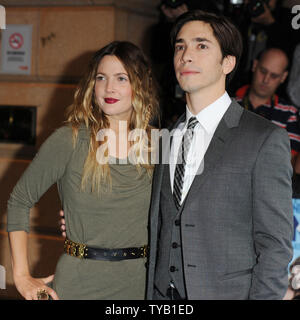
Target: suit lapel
217, 147
180, 119
163, 160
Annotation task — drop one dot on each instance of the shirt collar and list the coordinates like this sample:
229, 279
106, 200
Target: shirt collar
211, 115
243, 93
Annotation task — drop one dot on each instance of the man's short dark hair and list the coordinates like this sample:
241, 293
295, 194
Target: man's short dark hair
226, 33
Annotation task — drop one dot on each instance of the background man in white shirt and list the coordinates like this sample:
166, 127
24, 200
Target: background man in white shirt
225, 231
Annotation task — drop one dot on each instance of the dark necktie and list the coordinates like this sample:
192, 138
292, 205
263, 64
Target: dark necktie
181, 161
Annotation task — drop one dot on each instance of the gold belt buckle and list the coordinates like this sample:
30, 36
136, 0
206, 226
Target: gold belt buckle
145, 249
81, 250
75, 249
67, 246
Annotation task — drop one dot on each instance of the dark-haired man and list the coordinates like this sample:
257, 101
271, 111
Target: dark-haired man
221, 214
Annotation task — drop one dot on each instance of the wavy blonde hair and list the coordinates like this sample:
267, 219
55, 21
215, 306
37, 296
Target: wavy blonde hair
85, 110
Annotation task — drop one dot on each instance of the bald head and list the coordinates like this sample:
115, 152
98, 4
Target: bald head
277, 56
269, 71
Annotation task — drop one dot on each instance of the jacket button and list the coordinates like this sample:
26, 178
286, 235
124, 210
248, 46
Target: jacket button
172, 269
174, 245
177, 222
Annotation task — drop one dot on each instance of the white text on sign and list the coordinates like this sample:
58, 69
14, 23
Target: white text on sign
296, 19
2, 18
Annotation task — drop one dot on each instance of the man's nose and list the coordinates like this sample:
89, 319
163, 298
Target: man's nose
187, 55
266, 78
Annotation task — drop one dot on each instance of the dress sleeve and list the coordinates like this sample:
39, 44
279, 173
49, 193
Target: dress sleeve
47, 167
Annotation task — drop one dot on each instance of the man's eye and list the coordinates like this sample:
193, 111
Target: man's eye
274, 76
202, 46
263, 71
178, 48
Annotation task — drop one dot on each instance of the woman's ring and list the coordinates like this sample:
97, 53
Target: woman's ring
42, 294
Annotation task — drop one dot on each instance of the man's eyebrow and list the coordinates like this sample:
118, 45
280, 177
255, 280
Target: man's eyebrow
197, 39
273, 73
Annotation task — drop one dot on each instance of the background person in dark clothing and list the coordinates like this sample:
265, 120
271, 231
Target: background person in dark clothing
262, 26
269, 71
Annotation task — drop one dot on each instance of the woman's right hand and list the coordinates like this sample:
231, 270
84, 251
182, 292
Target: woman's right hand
29, 286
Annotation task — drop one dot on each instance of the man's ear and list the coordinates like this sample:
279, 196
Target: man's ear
283, 77
228, 64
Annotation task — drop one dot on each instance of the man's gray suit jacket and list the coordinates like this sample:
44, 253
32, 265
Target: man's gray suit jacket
240, 208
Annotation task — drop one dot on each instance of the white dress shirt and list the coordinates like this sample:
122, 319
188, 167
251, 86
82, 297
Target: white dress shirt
208, 119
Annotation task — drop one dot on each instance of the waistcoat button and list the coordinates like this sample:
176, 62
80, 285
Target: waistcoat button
172, 268
177, 222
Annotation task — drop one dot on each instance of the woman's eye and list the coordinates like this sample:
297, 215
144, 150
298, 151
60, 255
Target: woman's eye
99, 78
122, 79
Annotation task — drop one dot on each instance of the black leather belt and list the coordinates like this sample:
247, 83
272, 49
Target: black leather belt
80, 250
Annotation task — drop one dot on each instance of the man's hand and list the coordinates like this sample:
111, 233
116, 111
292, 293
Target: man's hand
62, 223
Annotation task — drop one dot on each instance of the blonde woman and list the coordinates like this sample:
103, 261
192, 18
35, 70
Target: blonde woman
105, 196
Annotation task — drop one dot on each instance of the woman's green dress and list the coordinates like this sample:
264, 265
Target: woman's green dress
116, 219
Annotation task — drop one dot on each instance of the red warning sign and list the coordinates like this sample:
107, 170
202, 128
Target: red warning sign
16, 40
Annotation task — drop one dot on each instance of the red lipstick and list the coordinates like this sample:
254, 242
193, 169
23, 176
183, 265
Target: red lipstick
110, 100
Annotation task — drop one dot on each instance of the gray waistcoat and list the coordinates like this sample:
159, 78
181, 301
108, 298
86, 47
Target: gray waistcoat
169, 259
